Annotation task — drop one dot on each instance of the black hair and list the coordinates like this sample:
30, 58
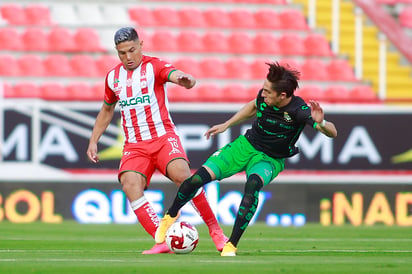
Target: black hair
283, 79
125, 34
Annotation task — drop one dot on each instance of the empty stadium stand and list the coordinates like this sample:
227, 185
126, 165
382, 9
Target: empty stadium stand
224, 46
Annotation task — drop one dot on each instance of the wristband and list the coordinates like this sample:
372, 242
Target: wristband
323, 123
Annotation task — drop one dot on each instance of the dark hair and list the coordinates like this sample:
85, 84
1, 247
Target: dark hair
283, 79
125, 34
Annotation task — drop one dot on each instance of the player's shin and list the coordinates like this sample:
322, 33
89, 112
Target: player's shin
146, 215
188, 190
247, 208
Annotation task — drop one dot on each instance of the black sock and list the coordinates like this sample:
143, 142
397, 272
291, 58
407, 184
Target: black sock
188, 189
247, 207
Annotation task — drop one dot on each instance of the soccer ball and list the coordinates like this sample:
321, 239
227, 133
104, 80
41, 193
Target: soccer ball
182, 237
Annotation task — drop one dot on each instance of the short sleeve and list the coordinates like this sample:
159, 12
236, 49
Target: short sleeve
304, 115
162, 69
109, 95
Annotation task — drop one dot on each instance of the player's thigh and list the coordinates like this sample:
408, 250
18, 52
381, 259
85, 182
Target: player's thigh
138, 162
230, 159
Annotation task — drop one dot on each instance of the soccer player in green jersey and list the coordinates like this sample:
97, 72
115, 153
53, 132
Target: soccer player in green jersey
280, 117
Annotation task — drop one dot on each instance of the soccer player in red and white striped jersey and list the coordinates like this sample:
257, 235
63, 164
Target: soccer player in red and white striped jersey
138, 86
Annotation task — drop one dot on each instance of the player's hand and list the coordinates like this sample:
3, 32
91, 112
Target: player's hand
317, 111
92, 153
215, 130
186, 80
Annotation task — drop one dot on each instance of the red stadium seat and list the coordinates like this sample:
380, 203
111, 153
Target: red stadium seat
405, 16
238, 68
210, 92
253, 90
38, 14
293, 19
81, 91
317, 45
98, 90
242, 18
237, 93
340, 69
192, 17
190, 41
61, 39
259, 69
143, 16
363, 94
10, 39
84, 66
87, 40
216, 17
105, 63
215, 41
188, 65
163, 40
8, 91
241, 42
267, 19
311, 92
8, 65
338, 94
292, 63
212, 67
146, 38
26, 90
291, 44
35, 39
180, 94
166, 16
314, 69
31, 65
53, 91
14, 14
266, 43
58, 65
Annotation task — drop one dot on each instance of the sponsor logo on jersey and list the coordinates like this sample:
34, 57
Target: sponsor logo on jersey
140, 100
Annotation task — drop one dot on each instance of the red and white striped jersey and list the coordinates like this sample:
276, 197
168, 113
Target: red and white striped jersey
142, 97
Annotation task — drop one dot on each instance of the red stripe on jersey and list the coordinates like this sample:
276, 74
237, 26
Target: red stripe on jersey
164, 112
147, 109
133, 116
115, 85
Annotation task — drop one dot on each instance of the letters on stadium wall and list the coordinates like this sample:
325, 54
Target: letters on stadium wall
58, 137
279, 205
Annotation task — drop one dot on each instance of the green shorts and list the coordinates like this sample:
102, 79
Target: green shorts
240, 156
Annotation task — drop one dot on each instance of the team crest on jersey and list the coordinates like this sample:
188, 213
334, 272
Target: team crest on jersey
175, 145
129, 82
287, 117
143, 80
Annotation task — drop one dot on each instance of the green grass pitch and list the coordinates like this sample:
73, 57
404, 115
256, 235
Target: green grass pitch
86, 248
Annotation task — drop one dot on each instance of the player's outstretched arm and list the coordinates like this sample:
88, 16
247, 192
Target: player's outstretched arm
182, 79
246, 112
326, 127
